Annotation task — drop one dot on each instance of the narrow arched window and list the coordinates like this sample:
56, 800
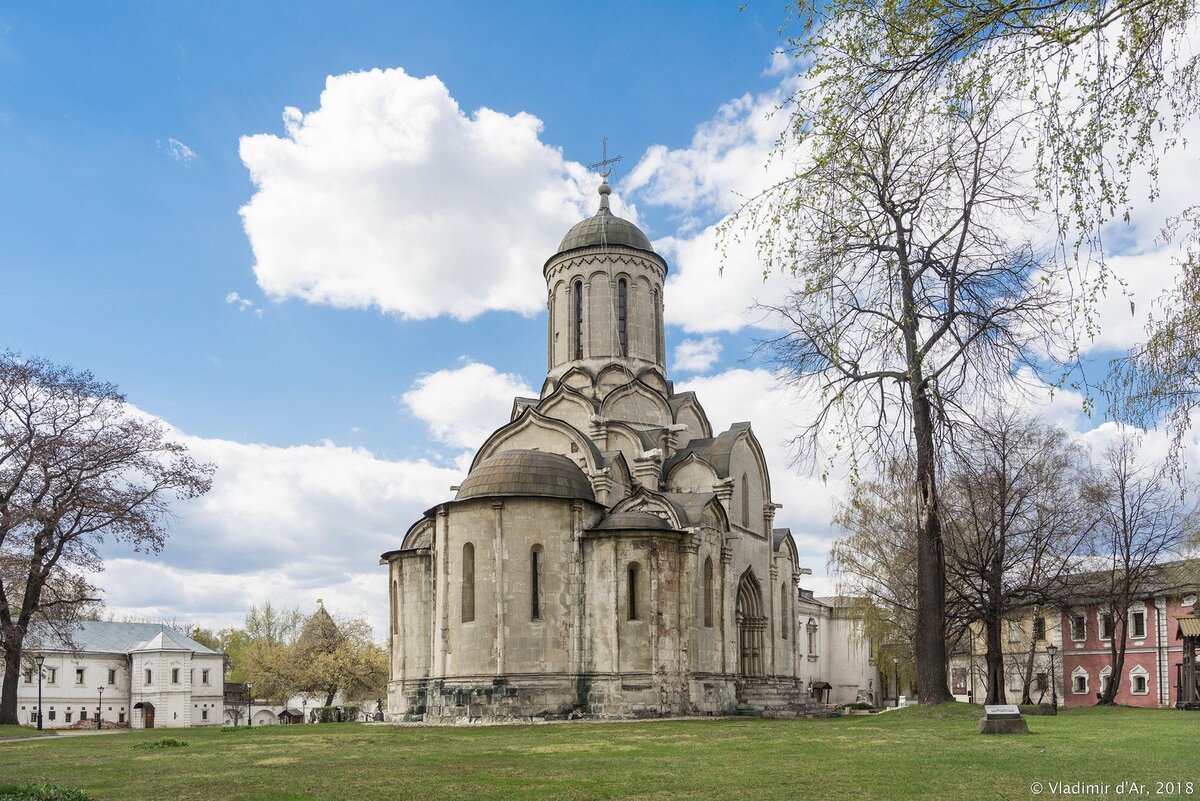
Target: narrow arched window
535, 583
708, 592
783, 611
395, 610
632, 599
468, 583
578, 291
658, 329
745, 501
622, 315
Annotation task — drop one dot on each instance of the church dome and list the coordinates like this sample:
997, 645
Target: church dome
522, 472
605, 228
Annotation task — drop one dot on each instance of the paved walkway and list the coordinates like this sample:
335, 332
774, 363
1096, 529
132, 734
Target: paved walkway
64, 734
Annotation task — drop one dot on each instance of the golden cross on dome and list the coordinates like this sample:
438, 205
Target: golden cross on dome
604, 161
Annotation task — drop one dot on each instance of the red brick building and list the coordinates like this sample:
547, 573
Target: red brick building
1153, 646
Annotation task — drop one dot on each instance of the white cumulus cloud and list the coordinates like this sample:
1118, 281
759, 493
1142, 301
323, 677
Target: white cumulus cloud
463, 406
715, 284
389, 195
284, 523
697, 355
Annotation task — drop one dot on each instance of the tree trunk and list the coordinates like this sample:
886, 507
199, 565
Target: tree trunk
1117, 652
329, 696
993, 658
12, 674
930, 655
1029, 660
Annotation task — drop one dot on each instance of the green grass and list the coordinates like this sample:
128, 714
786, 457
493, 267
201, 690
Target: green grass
24, 731
914, 753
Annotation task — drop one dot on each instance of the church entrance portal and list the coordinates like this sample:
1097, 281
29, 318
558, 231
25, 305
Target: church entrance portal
751, 625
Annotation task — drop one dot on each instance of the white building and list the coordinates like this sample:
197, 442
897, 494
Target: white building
144, 675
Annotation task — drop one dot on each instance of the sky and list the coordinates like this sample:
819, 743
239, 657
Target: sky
309, 238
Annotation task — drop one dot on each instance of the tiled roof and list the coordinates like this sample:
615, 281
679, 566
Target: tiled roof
99, 636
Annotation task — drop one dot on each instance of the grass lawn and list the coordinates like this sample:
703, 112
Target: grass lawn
914, 753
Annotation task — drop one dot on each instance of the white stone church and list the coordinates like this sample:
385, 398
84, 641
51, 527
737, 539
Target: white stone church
608, 554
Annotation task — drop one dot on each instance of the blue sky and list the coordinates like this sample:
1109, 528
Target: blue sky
330, 286
124, 255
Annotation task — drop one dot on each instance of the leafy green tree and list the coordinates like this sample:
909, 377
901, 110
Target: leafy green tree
262, 652
332, 656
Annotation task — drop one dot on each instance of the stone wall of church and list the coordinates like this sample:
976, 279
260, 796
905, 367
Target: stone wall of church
509, 632
411, 663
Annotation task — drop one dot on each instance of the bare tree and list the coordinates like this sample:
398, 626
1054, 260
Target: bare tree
1015, 526
913, 294
1108, 86
77, 465
1144, 519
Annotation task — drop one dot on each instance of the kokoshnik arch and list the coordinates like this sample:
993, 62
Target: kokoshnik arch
606, 554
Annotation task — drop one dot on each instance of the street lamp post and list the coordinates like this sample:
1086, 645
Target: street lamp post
304, 704
99, 706
1052, 650
896, 679
39, 659
249, 704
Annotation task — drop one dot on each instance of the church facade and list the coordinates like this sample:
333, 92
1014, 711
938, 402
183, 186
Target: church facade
608, 554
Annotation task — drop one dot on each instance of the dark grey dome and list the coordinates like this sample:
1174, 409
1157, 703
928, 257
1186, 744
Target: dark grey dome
637, 521
521, 472
604, 229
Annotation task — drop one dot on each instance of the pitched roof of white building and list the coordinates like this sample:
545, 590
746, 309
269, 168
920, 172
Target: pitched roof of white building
98, 636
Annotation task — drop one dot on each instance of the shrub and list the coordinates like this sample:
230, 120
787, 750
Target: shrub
40, 792
326, 714
351, 713
166, 742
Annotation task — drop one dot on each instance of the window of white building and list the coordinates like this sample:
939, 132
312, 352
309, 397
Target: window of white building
79, 675
204, 676
149, 677
174, 675
112, 677
51, 675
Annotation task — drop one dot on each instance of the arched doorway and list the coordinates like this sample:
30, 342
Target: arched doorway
147, 713
751, 625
